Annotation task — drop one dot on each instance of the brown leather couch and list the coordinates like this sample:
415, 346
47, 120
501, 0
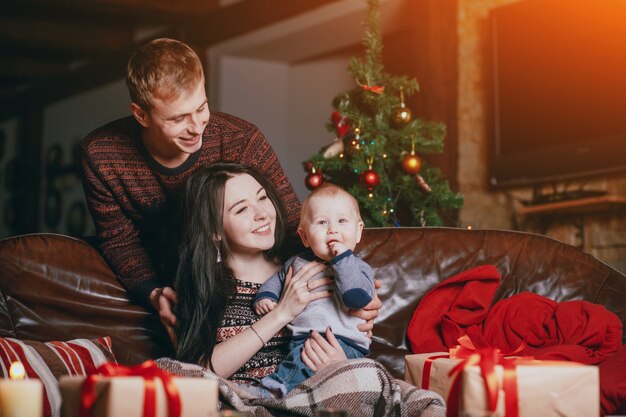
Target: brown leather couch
54, 287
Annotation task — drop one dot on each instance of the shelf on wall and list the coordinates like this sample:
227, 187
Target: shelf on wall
582, 205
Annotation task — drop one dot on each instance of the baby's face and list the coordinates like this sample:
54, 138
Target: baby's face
331, 225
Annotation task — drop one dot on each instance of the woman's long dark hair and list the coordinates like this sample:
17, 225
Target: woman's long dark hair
203, 284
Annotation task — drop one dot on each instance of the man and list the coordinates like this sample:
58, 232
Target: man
133, 167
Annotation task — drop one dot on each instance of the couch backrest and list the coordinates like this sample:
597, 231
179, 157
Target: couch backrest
54, 287
410, 261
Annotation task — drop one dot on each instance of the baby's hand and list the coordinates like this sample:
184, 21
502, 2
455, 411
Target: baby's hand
337, 248
264, 306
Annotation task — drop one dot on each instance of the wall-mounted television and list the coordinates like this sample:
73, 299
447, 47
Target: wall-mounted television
558, 71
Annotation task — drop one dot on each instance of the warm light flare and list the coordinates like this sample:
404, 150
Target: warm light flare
17, 371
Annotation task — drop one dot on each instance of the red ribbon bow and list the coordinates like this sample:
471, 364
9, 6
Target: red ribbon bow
487, 359
149, 371
378, 89
463, 350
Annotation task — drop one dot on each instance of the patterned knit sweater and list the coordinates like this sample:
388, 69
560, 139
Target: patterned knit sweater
238, 316
132, 197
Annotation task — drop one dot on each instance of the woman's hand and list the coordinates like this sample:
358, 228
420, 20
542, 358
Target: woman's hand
318, 352
369, 312
299, 289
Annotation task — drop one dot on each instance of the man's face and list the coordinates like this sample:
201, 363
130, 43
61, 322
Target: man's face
174, 124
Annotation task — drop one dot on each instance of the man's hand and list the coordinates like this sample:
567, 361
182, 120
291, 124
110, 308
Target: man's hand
369, 312
264, 306
161, 300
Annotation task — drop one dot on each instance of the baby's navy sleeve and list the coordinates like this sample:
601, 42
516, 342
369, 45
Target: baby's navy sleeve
354, 280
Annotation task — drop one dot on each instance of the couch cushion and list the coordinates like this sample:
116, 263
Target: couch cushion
49, 361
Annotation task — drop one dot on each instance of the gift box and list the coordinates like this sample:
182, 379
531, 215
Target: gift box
115, 396
430, 371
541, 388
547, 389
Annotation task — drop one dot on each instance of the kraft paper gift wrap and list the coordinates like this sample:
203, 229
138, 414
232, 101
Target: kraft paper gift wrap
439, 380
548, 389
545, 388
123, 396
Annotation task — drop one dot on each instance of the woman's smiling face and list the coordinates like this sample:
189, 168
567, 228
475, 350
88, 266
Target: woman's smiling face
249, 216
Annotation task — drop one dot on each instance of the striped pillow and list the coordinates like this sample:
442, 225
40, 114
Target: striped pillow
49, 361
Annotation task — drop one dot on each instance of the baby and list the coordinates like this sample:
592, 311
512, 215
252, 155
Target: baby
331, 226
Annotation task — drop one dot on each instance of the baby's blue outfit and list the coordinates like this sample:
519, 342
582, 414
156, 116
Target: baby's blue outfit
353, 289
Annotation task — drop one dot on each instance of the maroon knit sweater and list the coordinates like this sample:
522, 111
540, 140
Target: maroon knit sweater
132, 197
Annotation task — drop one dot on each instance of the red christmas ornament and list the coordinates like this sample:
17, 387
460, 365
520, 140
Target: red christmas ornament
341, 124
370, 178
308, 165
411, 163
313, 180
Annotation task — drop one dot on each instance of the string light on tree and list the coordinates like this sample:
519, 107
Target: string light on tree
356, 142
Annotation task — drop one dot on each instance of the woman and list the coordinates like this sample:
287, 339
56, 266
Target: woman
233, 227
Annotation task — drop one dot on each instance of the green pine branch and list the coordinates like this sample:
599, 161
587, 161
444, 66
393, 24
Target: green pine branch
400, 198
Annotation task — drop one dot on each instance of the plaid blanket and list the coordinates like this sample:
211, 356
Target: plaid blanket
362, 387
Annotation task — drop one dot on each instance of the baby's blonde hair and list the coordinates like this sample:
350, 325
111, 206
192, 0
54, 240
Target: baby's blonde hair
331, 190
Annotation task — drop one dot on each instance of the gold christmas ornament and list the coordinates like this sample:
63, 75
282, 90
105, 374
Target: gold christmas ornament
402, 114
411, 163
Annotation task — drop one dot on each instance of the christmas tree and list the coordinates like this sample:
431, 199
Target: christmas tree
376, 155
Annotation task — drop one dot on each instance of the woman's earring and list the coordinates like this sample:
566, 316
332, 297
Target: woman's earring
219, 255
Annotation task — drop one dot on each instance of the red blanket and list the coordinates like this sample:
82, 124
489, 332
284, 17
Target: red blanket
574, 330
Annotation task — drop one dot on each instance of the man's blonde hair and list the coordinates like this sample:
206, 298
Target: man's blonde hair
330, 190
165, 66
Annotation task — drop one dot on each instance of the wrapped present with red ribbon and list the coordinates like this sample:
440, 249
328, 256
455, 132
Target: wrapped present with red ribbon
486, 382
143, 390
528, 389
432, 371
